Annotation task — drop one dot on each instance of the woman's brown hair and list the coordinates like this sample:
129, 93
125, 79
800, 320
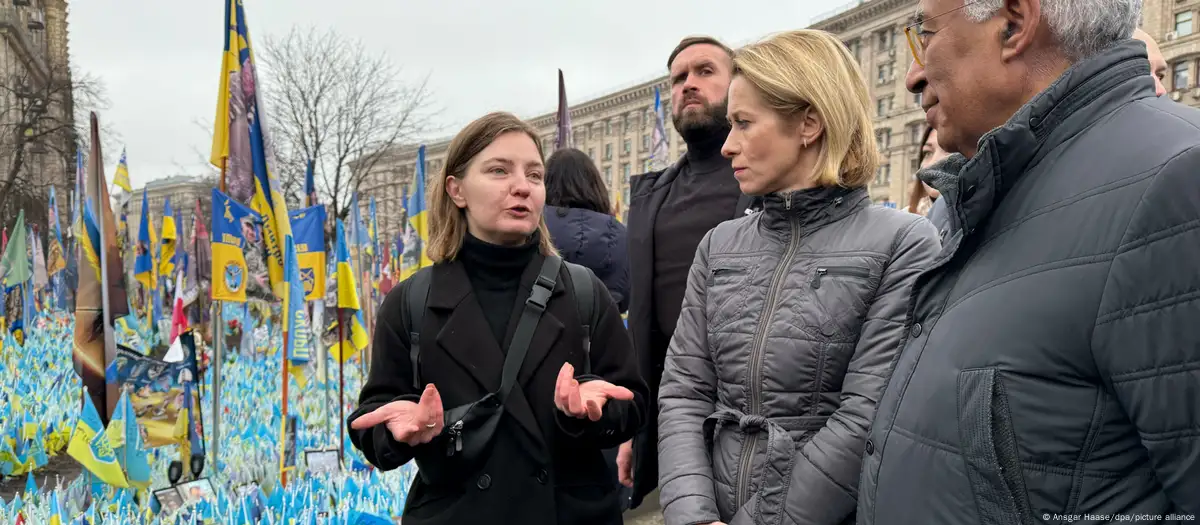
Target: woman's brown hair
918, 192
448, 222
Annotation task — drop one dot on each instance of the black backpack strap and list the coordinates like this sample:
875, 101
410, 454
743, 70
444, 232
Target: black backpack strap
539, 297
418, 293
585, 303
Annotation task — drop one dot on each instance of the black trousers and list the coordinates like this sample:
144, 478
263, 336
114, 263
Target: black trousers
623, 493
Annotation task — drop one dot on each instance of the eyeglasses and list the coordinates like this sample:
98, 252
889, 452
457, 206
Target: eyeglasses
918, 37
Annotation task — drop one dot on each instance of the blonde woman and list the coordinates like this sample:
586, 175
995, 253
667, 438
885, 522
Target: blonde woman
502, 370
792, 316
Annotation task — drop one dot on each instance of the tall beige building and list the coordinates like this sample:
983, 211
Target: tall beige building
183, 192
37, 132
615, 128
1176, 26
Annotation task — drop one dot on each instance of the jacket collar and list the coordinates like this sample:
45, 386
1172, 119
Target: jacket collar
1087, 92
809, 208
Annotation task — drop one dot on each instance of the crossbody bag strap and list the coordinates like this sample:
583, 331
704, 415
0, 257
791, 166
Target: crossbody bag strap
539, 297
584, 289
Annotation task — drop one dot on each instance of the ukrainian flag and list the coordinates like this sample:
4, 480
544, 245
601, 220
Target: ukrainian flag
143, 262
228, 258
166, 259
309, 227
417, 217
91, 447
347, 300
268, 198
121, 178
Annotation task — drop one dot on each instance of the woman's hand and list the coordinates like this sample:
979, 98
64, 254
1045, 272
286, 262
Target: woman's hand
587, 399
410, 423
625, 463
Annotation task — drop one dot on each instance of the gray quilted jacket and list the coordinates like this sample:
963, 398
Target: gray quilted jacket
790, 325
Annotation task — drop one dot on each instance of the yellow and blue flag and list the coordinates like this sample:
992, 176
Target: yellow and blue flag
126, 437
229, 271
121, 177
91, 447
143, 262
240, 122
415, 256
298, 350
355, 338
166, 258
308, 225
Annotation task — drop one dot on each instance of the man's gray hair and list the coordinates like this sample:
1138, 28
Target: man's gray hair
1084, 28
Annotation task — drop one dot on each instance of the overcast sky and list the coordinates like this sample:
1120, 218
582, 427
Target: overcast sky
160, 60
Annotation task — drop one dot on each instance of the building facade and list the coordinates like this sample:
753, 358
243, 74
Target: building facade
37, 128
1175, 24
615, 129
182, 190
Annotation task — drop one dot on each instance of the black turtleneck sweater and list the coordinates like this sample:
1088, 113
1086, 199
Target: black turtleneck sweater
703, 195
495, 274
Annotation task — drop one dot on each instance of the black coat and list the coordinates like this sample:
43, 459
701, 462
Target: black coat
594, 240
647, 193
543, 466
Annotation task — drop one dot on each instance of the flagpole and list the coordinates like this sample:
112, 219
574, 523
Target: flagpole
283, 441
341, 386
217, 339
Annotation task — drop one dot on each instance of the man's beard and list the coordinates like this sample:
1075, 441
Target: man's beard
696, 127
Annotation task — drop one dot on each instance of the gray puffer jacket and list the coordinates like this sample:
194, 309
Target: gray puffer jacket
791, 321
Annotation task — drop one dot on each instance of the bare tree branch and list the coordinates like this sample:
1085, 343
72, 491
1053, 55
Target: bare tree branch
43, 119
334, 103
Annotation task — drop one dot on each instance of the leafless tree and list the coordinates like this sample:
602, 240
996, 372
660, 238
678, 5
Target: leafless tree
332, 101
43, 116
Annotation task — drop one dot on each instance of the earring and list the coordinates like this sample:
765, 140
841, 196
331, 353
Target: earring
805, 143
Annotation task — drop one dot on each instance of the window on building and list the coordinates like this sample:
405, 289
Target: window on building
608, 176
608, 127
884, 73
1183, 23
914, 134
626, 146
608, 152
592, 154
628, 123
883, 175
646, 142
1180, 78
647, 118
913, 166
855, 48
883, 106
884, 40
918, 99
883, 137
625, 171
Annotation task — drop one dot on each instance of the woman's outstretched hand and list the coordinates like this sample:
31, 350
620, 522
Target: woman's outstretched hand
410, 423
587, 399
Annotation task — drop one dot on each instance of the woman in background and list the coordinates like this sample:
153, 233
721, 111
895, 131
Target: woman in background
922, 196
582, 226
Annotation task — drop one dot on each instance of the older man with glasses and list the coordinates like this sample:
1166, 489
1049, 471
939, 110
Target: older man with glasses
1050, 370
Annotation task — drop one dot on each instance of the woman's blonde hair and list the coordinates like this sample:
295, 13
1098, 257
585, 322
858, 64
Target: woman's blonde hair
807, 68
448, 222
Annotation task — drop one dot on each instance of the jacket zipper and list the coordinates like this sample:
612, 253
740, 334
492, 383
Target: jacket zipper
455, 444
847, 271
748, 447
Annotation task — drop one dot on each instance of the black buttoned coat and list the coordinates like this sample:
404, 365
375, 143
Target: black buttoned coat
543, 467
